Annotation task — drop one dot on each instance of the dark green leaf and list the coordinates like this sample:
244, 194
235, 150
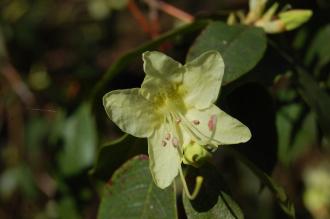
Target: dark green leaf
213, 201
316, 98
283, 200
241, 47
296, 132
79, 141
67, 208
131, 193
19, 177
320, 48
253, 105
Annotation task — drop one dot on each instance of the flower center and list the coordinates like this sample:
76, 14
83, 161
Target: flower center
168, 101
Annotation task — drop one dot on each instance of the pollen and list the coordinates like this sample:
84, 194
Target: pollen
168, 136
212, 122
164, 143
175, 142
196, 122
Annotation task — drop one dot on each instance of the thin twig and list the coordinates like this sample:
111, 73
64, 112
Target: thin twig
138, 15
154, 21
16, 82
171, 10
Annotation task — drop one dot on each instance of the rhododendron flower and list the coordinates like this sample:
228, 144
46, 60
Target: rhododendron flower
174, 109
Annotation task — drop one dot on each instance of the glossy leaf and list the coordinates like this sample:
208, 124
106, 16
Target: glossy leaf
241, 47
131, 193
79, 135
213, 200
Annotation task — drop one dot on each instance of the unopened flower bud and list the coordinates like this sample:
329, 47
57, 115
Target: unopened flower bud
294, 18
256, 8
195, 154
231, 19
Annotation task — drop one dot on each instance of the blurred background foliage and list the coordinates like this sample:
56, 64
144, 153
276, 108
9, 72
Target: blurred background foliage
56, 146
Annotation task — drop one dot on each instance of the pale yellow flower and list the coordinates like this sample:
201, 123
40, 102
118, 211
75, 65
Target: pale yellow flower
174, 109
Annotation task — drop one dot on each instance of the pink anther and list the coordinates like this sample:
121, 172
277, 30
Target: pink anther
212, 122
175, 142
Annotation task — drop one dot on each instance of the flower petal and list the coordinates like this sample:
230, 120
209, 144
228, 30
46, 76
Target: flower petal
165, 159
131, 112
202, 80
257, 5
217, 127
163, 74
159, 65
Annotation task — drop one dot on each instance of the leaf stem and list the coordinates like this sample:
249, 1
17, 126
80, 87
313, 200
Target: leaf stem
138, 16
171, 10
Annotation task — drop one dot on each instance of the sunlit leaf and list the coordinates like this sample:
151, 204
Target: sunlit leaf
241, 47
131, 193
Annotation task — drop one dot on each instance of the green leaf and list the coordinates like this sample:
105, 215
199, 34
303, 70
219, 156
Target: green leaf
213, 201
241, 47
320, 48
79, 141
296, 132
117, 4
115, 153
279, 193
131, 193
67, 208
317, 99
252, 104
18, 177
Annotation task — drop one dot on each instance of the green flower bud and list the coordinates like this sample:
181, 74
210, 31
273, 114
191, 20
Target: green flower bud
195, 154
294, 18
231, 19
256, 8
